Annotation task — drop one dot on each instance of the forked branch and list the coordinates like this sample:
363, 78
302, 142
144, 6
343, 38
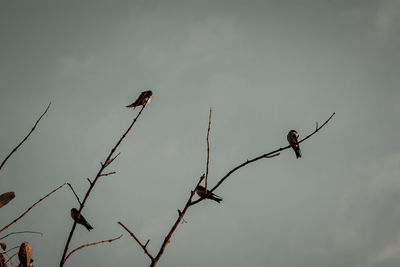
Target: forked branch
189, 203
144, 247
267, 155
99, 174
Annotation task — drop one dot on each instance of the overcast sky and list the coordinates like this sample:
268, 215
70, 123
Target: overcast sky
265, 67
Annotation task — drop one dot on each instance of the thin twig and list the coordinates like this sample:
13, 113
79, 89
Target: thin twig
37, 202
111, 160
21, 232
12, 256
107, 174
273, 156
144, 247
91, 244
11, 249
77, 198
26, 137
92, 184
208, 149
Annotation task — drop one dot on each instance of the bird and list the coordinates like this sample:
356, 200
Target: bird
80, 219
201, 191
143, 99
292, 138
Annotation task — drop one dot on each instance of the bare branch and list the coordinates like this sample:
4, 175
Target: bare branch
91, 244
21, 232
107, 174
189, 202
92, 184
267, 155
144, 247
70, 186
26, 137
37, 202
208, 149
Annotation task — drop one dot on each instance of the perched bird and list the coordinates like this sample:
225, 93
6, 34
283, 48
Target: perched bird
143, 99
201, 191
80, 219
292, 138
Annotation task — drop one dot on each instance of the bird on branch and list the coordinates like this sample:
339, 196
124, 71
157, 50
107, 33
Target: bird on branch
143, 99
80, 219
292, 139
201, 191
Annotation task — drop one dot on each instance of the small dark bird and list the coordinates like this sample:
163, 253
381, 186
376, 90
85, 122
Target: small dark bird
201, 191
292, 138
143, 99
80, 219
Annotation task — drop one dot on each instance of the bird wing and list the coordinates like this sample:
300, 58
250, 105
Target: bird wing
140, 98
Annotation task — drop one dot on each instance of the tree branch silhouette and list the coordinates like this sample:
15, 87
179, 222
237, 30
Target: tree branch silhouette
91, 244
20, 232
26, 137
189, 202
31, 207
99, 174
208, 149
73, 191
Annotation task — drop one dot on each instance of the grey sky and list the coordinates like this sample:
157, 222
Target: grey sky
265, 67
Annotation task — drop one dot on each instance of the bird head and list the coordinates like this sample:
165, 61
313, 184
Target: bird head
293, 134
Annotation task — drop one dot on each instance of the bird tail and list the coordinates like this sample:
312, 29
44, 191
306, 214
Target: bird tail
131, 106
216, 198
88, 226
298, 153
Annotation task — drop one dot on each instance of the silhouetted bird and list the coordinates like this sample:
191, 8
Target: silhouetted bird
292, 138
143, 99
80, 219
201, 191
